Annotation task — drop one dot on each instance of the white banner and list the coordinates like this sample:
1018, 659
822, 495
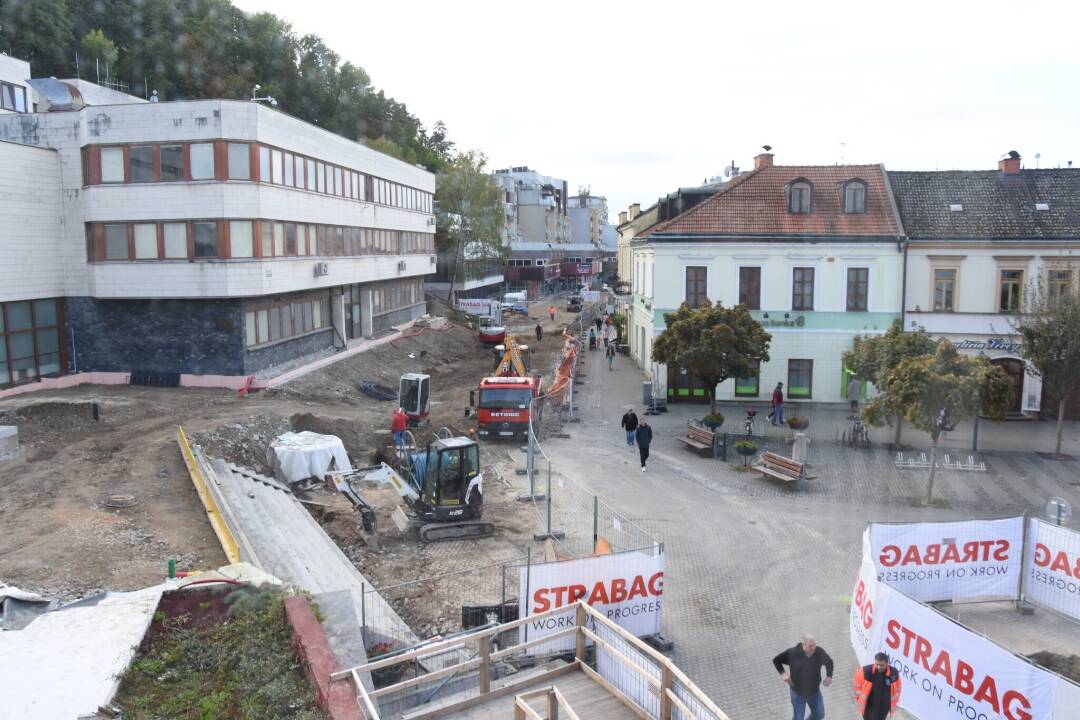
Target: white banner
478, 307
627, 587
867, 604
963, 560
1052, 568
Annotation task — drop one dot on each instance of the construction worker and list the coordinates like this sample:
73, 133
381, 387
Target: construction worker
877, 689
551, 312
539, 332
398, 423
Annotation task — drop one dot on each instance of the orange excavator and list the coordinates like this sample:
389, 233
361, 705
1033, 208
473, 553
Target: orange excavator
505, 401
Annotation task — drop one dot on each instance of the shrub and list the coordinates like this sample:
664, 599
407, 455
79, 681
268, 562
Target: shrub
713, 421
798, 422
746, 447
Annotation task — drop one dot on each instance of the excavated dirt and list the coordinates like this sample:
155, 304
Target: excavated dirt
59, 538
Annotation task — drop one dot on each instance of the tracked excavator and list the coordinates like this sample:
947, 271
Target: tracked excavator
442, 487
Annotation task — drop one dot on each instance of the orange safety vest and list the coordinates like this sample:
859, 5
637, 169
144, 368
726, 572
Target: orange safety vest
863, 682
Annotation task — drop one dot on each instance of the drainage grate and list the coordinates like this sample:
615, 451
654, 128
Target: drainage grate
141, 377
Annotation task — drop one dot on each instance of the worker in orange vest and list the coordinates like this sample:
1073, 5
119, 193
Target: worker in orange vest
877, 689
398, 423
551, 312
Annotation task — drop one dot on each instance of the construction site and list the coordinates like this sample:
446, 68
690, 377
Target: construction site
399, 530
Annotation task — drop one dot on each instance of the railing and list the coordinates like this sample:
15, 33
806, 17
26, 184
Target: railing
642, 678
555, 703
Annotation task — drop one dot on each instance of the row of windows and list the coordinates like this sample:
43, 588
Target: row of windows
802, 287
240, 239
29, 340
266, 324
800, 198
394, 296
223, 160
1010, 288
800, 381
13, 97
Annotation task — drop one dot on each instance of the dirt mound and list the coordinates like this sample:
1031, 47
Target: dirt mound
245, 442
356, 443
1065, 665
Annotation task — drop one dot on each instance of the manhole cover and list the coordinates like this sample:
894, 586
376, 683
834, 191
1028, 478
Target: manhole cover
121, 501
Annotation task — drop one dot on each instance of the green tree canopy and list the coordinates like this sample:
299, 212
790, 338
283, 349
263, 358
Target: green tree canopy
1050, 342
873, 357
937, 391
468, 218
714, 343
98, 49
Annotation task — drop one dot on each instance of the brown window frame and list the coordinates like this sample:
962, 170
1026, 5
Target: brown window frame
864, 281
810, 384
858, 205
695, 285
6, 333
798, 191
798, 288
745, 287
1015, 292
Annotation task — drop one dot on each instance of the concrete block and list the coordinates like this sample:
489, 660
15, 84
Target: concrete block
9, 440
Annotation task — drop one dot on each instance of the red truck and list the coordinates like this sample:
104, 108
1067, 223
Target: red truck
503, 405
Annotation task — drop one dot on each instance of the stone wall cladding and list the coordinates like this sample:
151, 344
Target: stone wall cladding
335, 698
200, 337
282, 352
396, 317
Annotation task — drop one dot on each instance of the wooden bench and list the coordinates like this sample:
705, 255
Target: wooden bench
699, 439
780, 467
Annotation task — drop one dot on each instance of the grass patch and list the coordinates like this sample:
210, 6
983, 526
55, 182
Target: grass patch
227, 657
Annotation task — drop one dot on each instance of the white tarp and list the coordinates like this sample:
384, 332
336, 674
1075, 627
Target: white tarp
66, 663
298, 456
963, 560
626, 587
1052, 568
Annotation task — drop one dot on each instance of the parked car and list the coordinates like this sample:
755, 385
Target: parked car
573, 303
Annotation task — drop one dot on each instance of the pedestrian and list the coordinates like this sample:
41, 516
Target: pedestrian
539, 332
644, 439
551, 312
877, 689
610, 354
804, 677
630, 424
592, 339
398, 422
599, 324
853, 393
776, 417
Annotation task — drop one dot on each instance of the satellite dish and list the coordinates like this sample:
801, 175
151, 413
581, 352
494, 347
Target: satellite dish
1058, 510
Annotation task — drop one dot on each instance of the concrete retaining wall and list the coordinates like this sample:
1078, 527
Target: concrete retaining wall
336, 698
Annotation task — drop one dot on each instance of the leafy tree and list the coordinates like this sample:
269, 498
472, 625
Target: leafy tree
935, 392
712, 342
39, 31
98, 50
872, 357
1050, 342
468, 217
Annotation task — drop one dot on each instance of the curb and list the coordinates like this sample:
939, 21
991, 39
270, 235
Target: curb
309, 641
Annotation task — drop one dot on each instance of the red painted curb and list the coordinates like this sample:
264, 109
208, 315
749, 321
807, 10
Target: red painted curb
336, 698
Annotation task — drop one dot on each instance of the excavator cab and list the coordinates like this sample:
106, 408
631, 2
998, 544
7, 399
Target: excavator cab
452, 496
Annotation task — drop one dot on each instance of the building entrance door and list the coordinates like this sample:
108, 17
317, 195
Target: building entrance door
685, 387
1015, 370
352, 312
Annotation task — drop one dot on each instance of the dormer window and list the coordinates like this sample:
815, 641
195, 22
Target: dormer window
1042, 207
799, 199
854, 197
956, 207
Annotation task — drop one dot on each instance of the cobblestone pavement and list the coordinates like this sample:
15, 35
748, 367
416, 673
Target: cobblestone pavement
751, 564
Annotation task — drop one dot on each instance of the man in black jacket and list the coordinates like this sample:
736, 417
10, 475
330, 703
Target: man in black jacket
644, 439
804, 677
629, 424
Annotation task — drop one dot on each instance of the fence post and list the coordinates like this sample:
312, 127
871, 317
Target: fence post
528, 581
363, 614
595, 520
484, 650
579, 645
550, 534
502, 595
665, 685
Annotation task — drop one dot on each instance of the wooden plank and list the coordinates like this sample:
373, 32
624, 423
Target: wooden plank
502, 691
523, 710
420, 679
579, 645
665, 687
673, 699
563, 704
633, 640
530, 643
362, 696
701, 697
484, 647
213, 513
599, 680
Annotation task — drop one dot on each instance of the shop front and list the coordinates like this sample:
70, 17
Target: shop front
1004, 352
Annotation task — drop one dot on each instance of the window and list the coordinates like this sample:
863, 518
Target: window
172, 162
112, 165
142, 163
299, 172
802, 292
146, 241
858, 280
30, 340
12, 97
276, 169
241, 242
202, 161
279, 239
800, 379
266, 239
116, 242
749, 386
696, 281
944, 290
205, 237
1058, 285
320, 177
290, 239
264, 164
799, 196
175, 235
251, 337
338, 187
855, 197
310, 174
750, 288
289, 167
1011, 287
348, 185
239, 161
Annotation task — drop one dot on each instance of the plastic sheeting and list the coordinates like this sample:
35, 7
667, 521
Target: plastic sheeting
298, 456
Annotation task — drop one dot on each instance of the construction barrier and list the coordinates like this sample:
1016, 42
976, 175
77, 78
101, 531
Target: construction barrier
1052, 568
948, 670
213, 513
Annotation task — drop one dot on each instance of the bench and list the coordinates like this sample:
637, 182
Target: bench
699, 439
780, 467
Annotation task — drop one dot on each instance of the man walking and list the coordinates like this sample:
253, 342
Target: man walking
398, 422
610, 354
644, 439
599, 324
853, 393
539, 332
776, 417
877, 689
630, 424
804, 677
551, 312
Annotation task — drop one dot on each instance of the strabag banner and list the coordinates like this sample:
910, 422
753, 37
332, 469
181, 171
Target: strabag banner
949, 671
964, 560
868, 598
626, 587
1052, 568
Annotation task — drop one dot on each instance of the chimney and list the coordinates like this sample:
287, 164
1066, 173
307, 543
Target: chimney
622, 218
1010, 164
763, 160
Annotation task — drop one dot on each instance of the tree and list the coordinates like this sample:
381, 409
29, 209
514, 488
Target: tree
872, 357
937, 391
468, 218
39, 31
712, 342
1050, 342
99, 51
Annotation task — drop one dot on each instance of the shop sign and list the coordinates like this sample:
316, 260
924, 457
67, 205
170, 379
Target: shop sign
583, 269
988, 344
797, 321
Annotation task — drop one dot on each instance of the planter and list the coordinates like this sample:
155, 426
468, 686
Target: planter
798, 423
746, 448
712, 421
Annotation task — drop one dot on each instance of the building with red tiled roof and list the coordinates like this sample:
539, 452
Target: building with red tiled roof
814, 252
